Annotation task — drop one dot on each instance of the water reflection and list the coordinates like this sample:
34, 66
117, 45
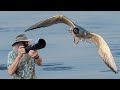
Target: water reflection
55, 67
52, 64
3, 67
60, 68
107, 71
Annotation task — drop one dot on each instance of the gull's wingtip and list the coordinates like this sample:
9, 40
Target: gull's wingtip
26, 30
116, 72
30, 28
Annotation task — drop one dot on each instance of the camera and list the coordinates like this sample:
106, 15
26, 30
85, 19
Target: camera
39, 45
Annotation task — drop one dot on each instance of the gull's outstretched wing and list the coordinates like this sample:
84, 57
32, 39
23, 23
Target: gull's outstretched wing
103, 48
52, 20
104, 51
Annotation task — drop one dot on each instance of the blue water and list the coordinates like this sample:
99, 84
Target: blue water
62, 59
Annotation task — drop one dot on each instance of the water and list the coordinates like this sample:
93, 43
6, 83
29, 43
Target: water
62, 59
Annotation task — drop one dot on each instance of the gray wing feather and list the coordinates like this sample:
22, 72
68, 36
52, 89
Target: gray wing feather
52, 20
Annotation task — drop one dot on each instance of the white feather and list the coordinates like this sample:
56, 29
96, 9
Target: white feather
104, 51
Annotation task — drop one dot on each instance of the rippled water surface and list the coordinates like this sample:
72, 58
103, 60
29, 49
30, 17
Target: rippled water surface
62, 59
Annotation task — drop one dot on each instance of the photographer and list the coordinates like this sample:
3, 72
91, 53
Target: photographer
21, 65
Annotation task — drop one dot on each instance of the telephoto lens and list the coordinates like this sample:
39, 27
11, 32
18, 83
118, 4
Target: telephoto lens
39, 45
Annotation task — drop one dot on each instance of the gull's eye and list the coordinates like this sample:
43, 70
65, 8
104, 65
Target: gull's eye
76, 30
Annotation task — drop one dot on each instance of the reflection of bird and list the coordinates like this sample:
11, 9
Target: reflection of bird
81, 34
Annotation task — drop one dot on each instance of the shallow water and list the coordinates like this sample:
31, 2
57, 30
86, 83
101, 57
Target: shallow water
62, 59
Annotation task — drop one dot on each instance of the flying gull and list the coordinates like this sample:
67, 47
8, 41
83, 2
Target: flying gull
80, 34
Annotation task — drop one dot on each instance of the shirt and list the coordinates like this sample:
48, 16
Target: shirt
26, 68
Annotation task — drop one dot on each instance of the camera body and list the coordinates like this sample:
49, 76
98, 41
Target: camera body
39, 45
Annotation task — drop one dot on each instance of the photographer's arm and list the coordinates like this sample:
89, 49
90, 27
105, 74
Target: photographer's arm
38, 60
12, 68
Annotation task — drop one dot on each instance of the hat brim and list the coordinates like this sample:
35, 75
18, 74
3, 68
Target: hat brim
21, 41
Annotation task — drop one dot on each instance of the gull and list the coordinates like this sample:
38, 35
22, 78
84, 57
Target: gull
80, 34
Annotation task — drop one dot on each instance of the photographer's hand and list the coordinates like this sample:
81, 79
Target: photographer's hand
21, 51
34, 54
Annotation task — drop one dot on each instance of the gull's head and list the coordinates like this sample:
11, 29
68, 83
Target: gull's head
76, 30
79, 32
